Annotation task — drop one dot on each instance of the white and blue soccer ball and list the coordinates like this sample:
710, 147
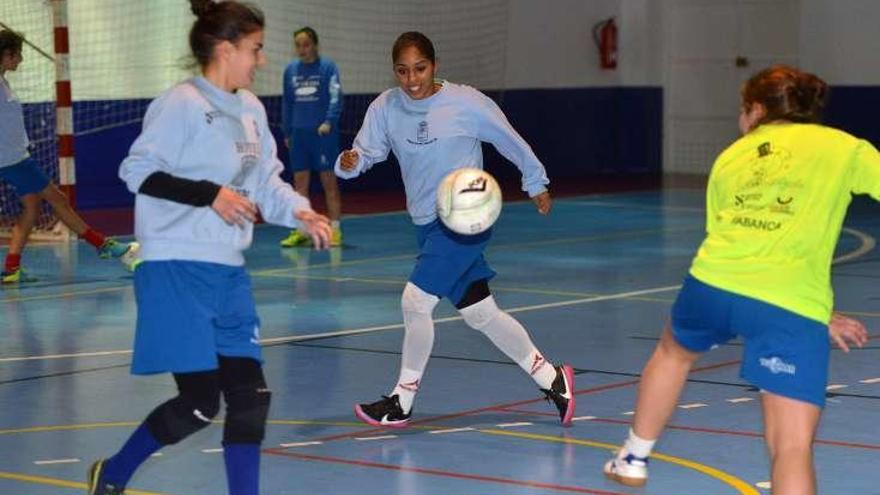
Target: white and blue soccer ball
468, 201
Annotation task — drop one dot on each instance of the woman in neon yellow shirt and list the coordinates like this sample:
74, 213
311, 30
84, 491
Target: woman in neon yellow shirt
775, 205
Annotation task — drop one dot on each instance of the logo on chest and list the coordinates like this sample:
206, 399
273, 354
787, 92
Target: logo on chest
423, 135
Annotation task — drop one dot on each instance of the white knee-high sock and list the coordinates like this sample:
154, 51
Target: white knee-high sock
511, 337
418, 340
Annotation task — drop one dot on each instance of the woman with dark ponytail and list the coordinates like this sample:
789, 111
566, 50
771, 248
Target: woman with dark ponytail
204, 165
775, 205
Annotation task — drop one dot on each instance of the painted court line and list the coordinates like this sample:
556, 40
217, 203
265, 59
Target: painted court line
696, 429
740, 399
836, 386
56, 461
734, 482
582, 418
513, 425
693, 406
300, 444
359, 331
502, 406
379, 437
870, 380
443, 473
450, 430
42, 480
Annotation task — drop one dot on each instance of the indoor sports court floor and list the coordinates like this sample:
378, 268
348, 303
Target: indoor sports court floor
593, 283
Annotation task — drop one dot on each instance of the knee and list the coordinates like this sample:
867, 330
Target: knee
247, 400
669, 348
54, 196
416, 301
480, 314
794, 448
184, 415
247, 410
31, 203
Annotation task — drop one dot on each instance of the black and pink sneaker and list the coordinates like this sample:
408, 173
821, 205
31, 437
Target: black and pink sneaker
385, 412
561, 392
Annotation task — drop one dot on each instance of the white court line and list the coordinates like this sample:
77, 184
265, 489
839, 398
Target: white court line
870, 380
300, 444
629, 413
358, 331
211, 451
513, 425
368, 439
837, 386
56, 461
583, 418
868, 243
740, 399
693, 406
450, 430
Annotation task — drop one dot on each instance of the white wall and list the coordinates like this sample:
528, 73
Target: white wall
550, 44
840, 41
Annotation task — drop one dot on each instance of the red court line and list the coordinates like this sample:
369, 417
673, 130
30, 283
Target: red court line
443, 473
600, 388
754, 434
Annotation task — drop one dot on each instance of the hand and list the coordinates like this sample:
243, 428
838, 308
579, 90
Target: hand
317, 226
843, 329
234, 208
349, 160
324, 129
543, 202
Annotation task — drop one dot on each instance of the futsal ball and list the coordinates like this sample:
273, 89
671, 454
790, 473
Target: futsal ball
468, 201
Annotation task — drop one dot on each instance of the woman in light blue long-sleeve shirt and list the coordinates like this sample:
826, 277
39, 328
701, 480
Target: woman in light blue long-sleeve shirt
435, 127
203, 165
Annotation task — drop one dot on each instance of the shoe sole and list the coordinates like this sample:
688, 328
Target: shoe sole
568, 375
623, 480
372, 422
94, 476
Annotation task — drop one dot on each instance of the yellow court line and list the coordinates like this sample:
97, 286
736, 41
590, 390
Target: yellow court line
42, 480
66, 294
495, 288
739, 485
493, 247
83, 426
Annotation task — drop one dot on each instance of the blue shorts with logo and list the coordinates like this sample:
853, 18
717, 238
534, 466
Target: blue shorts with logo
311, 151
188, 313
448, 263
785, 353
25, 176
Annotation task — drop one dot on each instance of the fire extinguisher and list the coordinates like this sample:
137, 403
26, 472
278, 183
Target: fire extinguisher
605, 36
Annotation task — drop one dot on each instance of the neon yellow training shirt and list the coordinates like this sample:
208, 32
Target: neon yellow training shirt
774, 208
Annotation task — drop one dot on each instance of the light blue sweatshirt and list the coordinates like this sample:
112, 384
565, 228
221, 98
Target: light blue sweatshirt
311, 95
13, 136
197, 131
436, 135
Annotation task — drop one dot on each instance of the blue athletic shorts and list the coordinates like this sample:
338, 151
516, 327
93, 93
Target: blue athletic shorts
25, 176
188, 313
785, 353
448, 263
311, 151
